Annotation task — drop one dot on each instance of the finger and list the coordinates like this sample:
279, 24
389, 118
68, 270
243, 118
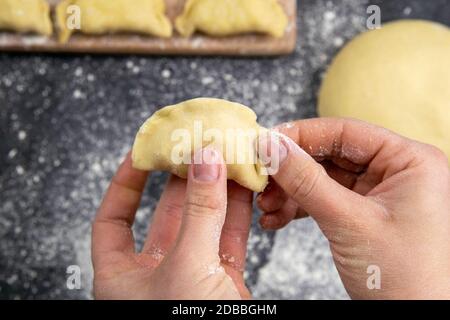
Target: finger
355, 144
166, 221
111, 230
359, 183
205, 205
236, 229
238, 281
306, 182
280, 218
347, 165
340, 138
272, 199
280, 210
344, 177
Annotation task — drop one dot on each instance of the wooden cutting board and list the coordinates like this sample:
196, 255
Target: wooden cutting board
242, 45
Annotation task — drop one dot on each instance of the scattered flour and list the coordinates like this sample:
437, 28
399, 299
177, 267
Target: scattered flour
62, 173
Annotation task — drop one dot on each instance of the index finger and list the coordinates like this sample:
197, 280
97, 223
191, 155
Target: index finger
236, 229
377, 152
349, 139
111, 230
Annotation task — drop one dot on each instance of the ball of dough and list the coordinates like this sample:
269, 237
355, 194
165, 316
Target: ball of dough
397, 77
167, 140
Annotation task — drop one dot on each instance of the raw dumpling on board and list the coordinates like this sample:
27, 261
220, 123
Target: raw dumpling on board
230, 17
108, 16
25, 16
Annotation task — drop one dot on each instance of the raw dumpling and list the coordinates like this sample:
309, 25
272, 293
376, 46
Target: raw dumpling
104, 16
25, 16
168, 139
228, 17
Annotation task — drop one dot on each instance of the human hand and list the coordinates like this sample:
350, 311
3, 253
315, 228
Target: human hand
196, 245
381, 200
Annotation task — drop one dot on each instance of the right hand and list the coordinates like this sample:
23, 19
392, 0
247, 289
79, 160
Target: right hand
380, 199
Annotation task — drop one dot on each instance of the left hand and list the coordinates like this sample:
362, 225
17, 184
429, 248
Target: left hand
196, 245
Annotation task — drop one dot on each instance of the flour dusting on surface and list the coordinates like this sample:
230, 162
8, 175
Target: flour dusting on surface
70, 120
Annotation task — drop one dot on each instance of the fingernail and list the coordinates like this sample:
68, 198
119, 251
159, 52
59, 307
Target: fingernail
292, 146
208, 166
259, 198
271, 148
268, 221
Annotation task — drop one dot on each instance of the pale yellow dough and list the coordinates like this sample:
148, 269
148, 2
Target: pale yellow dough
229, 17
108, 16
25, 16
397, 77
158, 139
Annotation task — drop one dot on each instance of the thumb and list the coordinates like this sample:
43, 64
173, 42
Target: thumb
205, 204
308, 184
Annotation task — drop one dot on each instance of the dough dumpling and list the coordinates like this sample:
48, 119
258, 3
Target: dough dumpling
105, 16
170, 137
229, 17
397, 77
25, 16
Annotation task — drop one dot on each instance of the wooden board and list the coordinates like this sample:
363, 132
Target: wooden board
242, 45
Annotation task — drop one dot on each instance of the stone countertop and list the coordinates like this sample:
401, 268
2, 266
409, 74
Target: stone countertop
67, 121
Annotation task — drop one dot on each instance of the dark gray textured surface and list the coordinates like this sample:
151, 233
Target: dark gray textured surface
66, 122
